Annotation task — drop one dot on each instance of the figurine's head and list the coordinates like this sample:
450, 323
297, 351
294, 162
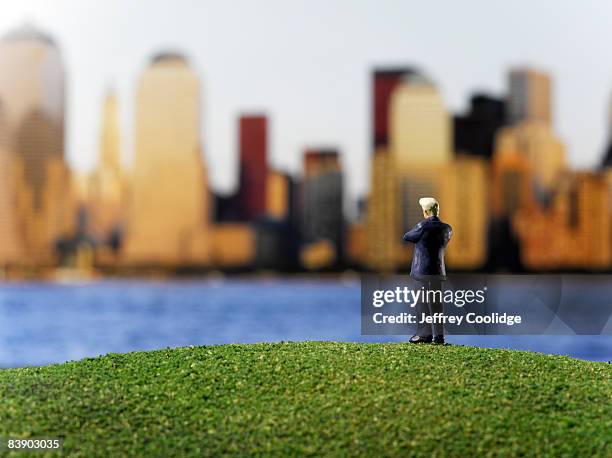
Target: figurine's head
430, 206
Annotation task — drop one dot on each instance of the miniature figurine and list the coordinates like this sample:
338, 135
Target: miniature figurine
430, 237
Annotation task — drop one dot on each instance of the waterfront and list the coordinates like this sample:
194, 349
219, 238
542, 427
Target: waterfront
45, 323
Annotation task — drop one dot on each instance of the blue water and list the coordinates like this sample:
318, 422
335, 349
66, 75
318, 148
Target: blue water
46, 323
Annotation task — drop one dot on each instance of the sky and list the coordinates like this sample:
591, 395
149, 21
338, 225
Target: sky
307, 65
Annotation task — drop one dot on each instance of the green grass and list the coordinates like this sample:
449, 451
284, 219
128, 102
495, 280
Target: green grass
319, 398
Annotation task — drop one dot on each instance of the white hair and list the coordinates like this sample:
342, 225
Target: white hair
429, 205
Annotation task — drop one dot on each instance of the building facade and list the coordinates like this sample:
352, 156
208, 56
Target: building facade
529, 97
322, 214
385, 251
107, 184
419, 125
474, 132
253, 166
464, 193
32, 95
168, 216
384, 82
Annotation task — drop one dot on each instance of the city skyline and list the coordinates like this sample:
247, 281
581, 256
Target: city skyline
501, 163
258, 74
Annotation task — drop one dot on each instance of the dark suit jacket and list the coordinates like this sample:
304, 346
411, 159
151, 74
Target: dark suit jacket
430, 237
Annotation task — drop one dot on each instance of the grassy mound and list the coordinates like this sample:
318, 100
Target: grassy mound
320, 398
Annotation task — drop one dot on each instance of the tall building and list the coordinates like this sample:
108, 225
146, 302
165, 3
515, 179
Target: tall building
382, 252
474, 132
512, 192
529, 97
384, 81
32, 94
278, 233
253, 166
168, 218
107, 183
531, 133
420, 143
383, 224
419, 125
322, 215
464, 205
406, 167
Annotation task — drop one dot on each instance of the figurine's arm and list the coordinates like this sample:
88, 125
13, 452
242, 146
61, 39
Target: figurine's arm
447, 235
414, 234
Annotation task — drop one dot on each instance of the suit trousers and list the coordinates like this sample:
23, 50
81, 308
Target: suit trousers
431, 302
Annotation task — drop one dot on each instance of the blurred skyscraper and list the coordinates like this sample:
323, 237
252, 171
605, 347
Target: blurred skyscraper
106, 193
529, 97
406, 167
384, 248
322, 215
168, 218
420, 143
474, 132
253, 166
527, 164
464, 204
384, 81
383, 219
511, 191
37, 180
278, 232
419, 125
530, 108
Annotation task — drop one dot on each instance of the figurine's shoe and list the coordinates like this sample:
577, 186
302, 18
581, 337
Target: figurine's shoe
438, 340
420, 339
